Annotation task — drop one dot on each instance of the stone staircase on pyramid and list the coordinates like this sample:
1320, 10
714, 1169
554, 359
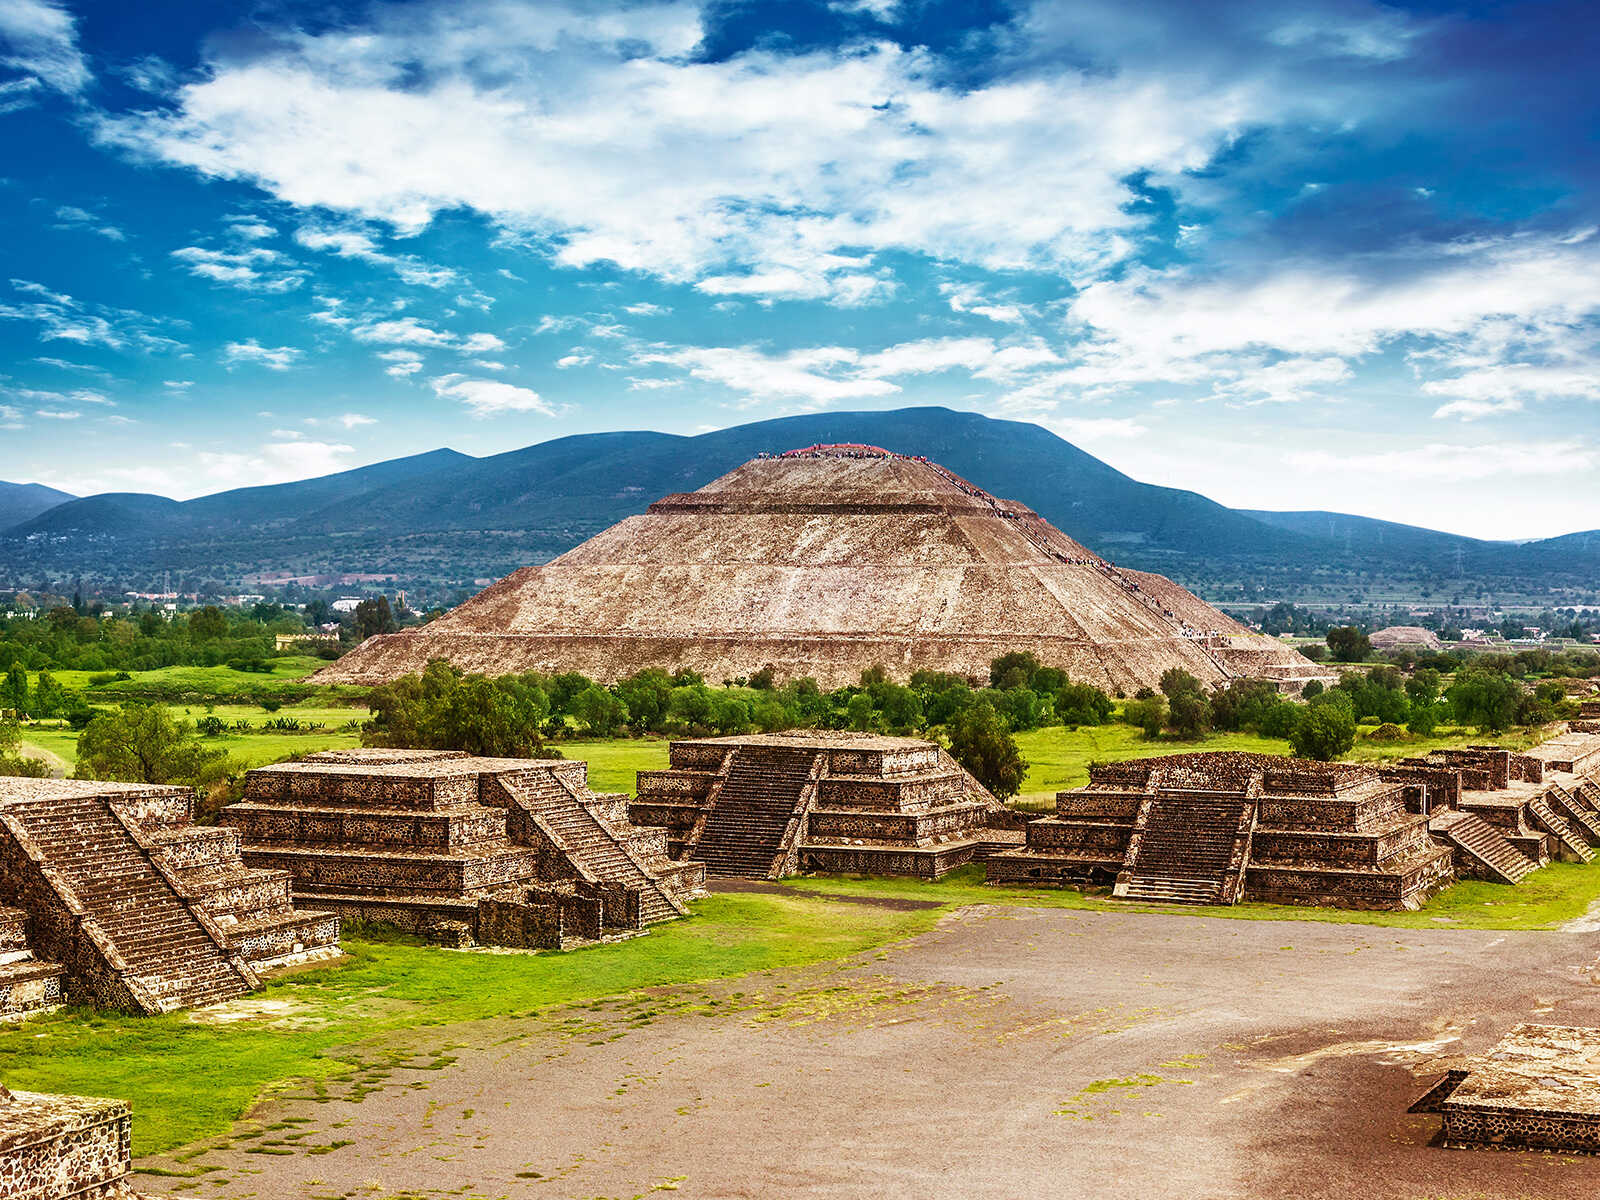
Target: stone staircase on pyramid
1573, 844
1189, 846
103, 905
756, 811
1480, 850
600, 852
1576, 810
27, 985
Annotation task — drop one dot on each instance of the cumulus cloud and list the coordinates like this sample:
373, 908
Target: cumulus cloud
489, 397
570, 131
359, 244
250, 351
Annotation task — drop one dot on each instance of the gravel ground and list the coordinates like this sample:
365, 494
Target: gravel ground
1008, 1053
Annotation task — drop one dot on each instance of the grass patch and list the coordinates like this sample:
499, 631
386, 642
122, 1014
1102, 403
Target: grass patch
614, 765
334, 1022
338, 1015
1059, 758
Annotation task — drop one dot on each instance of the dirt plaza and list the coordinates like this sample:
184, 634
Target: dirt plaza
1009, 1051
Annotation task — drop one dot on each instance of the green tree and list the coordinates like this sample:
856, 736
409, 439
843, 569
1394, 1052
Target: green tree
1015, 669
1423, 686
373, 617
12, 761
858, 712
1485, 698
49, 697
601, 712
444, 708
208, 624
142, 743
1324, 732
1348, 643
1175, 681
1082, 704
729, 713
647, 694
1189, 714
16, 690
1148, 714
981, 743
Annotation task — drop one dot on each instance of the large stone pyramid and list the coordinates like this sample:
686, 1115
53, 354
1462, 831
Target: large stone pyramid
823, 562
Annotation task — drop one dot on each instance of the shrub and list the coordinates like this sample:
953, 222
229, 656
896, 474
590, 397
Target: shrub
981, 743
1323, 732
1149, 715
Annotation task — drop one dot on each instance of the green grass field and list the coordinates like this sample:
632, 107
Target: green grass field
336, 1023
614, 765
1059, 758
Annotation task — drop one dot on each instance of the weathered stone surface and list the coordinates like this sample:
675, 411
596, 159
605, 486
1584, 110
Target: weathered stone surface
142, 908
768, 805
515, 852
822, 563
1537, 1090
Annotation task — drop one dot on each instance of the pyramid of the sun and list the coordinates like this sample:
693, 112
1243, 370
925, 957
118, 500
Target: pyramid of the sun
823, 562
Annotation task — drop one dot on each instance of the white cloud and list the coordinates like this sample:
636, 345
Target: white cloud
571, 132
346, 420
489, 397
480, 343
360, 244
60, 317
1095, 429
69, 216
567, 361
403, 331
274, 358
58, 414
275, 462
646, 309
40, 40
254, 269
1452, 463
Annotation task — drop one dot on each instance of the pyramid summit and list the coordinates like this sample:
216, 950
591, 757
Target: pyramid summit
822, 562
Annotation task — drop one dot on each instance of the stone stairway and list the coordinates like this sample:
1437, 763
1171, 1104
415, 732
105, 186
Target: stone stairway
1482, 844
591, 845
744, 831
1547, 819
1182, 853
26, 984
170, 959
1578, 813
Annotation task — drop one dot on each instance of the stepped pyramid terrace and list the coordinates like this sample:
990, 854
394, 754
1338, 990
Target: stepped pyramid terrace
1217, 828
768, 805
823, 562
114, 896
503, 851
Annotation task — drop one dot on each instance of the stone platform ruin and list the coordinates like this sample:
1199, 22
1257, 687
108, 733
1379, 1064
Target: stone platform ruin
510, 852
1216, 828
764, 806
1538, 1089
131, 905
824, 562
54, 1147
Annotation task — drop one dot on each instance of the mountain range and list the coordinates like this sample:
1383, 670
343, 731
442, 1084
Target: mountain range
442, 519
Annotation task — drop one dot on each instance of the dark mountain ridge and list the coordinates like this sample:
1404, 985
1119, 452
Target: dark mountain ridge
448, 516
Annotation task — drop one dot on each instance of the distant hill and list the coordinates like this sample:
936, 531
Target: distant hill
22, 501
442, 519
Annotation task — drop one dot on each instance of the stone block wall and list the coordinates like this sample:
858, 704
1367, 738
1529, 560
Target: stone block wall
63, 1146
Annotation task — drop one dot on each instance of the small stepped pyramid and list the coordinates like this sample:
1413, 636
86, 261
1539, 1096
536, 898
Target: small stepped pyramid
1546, 818
254, 908
26, 984
1182, 852
743, 834
1577, 813
1483, 848
149, 940
596, 850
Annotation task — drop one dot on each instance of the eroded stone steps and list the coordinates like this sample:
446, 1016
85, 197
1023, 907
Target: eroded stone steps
1546, 818
744, 830
1577, 814
594, 846
164, 947
1184, 849
1482, 844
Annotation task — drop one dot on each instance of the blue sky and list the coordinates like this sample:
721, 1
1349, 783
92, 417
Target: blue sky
1326, 254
